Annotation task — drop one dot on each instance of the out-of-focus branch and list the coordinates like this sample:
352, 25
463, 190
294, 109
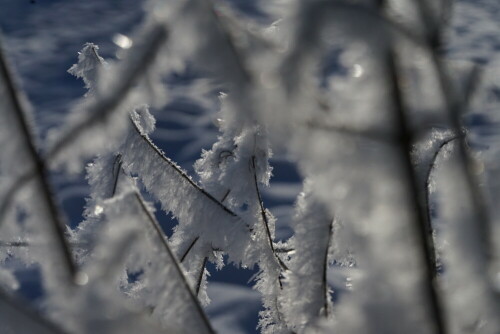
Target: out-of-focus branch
425, 241
432, 165
41, 172
106, 104
456, 106
11, 192
324, 278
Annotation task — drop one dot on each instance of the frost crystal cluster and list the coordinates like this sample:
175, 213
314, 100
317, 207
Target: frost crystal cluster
396, 229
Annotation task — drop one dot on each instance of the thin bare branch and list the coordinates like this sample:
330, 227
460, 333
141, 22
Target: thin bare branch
200, 276
284, 250
265, 220
225, 195
324, 278
432, 165
191, 245
456, 106
117, 169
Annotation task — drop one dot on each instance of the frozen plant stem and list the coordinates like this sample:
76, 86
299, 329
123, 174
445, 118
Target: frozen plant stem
456, 110
265, 220
428, 190
107, 103
200, 276
425, 241
168, 251
181, 173
324, 278
117, 169
191, 245
41, 174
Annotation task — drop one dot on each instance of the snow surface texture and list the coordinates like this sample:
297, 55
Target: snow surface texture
34, 47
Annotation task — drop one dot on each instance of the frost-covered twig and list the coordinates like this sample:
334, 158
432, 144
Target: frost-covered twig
432, 165
105, 103
200, 276
189, 248
181, 173
324, 278
161, 237
265, 220
306, 296
425, 241
57, 225
455, 107
117, 169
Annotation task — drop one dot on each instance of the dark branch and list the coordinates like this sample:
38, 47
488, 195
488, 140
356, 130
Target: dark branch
456, 106
117, 169
225, 196
200, 276
324, 278
265, 221
432, 165
189, 248
426, 244
196, 239
41, 173
181, 173
161, 237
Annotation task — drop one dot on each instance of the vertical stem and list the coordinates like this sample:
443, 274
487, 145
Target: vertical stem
455, 109
425, 243
325, 269
432, 165
117, 169
264, 218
